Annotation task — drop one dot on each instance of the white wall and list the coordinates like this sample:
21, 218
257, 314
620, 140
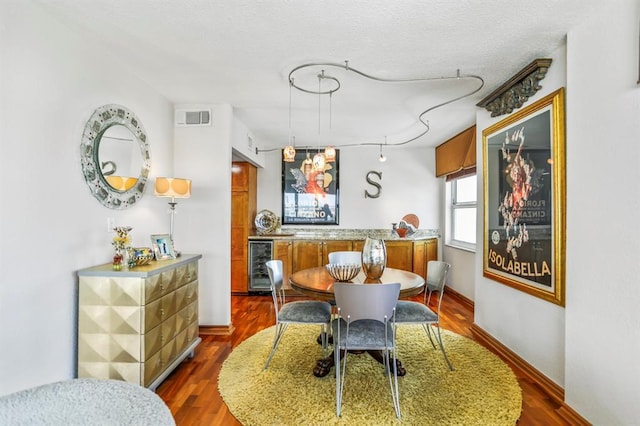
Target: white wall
51, 81
529, 326
461, 277
408, 186
203, 225
602, 372
244, 143
590, 347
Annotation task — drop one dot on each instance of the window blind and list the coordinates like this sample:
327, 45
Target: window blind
457, 154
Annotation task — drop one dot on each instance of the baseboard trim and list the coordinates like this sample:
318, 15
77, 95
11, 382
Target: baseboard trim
571, 416
463, 299
216, 330
555, 392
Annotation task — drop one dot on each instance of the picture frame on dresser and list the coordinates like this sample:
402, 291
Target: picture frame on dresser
524, 199
310, 190
163, 247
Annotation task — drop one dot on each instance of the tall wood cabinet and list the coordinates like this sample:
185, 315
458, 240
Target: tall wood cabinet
137, 324
244, 178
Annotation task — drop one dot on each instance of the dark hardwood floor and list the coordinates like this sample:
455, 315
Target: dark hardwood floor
191, 391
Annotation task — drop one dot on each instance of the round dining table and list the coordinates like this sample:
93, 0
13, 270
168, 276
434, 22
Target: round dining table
318, 284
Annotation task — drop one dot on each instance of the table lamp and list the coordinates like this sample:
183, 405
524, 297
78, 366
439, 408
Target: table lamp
174, 188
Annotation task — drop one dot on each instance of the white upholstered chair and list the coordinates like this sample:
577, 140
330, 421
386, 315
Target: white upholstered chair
366, 322
85, 401
410, 312
298, 312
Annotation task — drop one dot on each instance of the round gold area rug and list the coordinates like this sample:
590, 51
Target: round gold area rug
482, 390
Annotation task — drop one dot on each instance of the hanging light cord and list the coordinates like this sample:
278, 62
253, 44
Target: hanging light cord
290, 90
329, 91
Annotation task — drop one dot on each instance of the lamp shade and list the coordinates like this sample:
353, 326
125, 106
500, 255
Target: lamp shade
173, 187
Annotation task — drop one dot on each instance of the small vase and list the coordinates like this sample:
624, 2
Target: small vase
374, 258
117, 261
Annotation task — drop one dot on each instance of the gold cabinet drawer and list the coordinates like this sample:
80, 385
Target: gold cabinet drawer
153, 314
186, 273
152, 368
168, 352
182, 341
168, 306
169, 329
152, 288
187, 316
192, 291
186, 294
168, 281
152, 341
192, 331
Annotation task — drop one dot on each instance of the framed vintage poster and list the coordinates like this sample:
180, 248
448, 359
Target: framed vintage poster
310, 196
524, 199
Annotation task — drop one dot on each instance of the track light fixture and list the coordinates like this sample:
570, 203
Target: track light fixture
334, 84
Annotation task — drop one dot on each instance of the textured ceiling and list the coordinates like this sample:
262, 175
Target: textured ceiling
240, 52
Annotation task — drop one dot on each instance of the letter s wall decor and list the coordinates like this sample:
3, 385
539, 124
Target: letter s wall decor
373, 183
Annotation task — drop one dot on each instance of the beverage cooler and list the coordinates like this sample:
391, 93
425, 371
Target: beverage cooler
259, 253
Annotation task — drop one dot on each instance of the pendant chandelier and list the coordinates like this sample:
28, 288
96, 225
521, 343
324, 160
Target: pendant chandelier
319, 159
330, 154
382, 158
289, 151
319, 162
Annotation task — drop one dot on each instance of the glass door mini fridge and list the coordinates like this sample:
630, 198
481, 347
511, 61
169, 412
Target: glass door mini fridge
259, 253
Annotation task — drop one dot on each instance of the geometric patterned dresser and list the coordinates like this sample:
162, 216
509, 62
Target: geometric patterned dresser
137, 324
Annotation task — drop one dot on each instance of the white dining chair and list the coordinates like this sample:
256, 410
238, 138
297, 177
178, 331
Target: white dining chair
366, 322
299, 312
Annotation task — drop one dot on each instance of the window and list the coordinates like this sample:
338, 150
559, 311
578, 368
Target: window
462, 213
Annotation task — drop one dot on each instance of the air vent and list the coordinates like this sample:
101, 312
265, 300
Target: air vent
193, 117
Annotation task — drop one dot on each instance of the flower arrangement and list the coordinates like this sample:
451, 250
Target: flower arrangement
121, 240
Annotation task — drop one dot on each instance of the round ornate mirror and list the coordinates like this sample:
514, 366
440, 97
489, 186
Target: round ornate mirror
115, 156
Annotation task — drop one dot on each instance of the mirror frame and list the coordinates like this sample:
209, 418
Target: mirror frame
102, 119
